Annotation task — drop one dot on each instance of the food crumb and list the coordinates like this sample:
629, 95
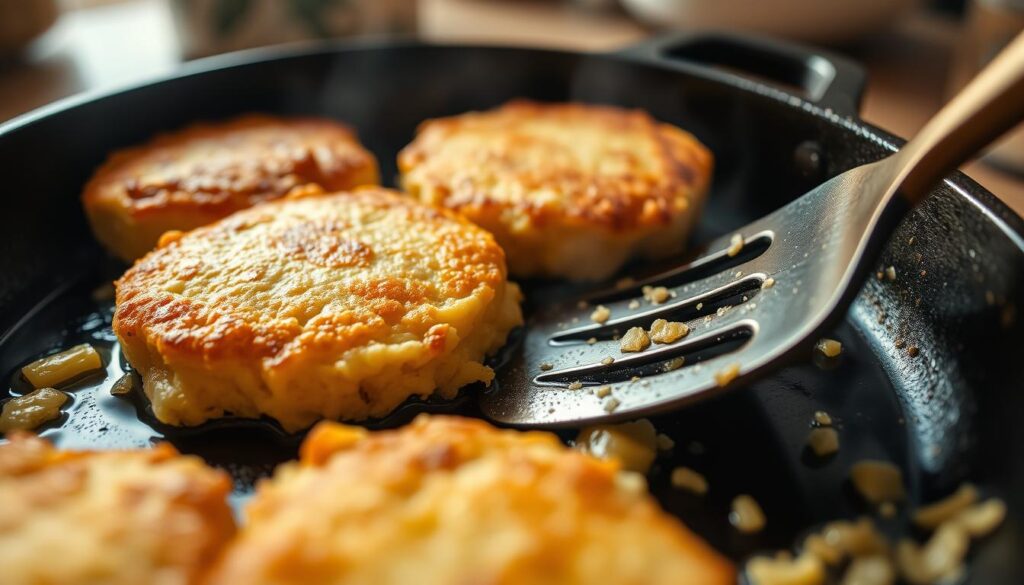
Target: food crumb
608, 361
873, 561
768, 283
842, 538
783, 570
829, 347
634, 304
939, 559
31, 410
822, 418
687, 479
603, 391
913, 351
735, 245
62, 367
700, 306
600, 314
887, 510
890, 272
872, 570
657, 295
674, 364
575, 385
591, 340
663, 331
123, 386
934, 514
823, 441
981, 519
665, 442
545, 366
878, 481
727, 374
747, 515
633, 444
611, 404
634, 340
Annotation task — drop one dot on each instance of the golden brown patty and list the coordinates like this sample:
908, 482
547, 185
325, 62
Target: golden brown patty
569, 190
454, 501
189, 178
75, 517
334, 306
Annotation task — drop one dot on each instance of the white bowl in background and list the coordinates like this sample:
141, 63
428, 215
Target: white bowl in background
819, 21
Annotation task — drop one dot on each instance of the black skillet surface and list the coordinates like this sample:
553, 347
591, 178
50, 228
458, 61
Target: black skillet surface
948, 415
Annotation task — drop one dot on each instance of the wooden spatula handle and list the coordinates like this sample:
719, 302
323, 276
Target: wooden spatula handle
989, 106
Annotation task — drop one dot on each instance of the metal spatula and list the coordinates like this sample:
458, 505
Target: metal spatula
758, 296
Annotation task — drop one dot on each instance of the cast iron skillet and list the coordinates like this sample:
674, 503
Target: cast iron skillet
779, 119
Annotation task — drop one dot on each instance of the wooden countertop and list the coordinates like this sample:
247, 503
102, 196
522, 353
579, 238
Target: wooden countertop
118, 42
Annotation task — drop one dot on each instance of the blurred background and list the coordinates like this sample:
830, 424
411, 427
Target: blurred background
917, 52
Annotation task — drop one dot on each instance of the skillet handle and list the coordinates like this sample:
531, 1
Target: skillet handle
821, 77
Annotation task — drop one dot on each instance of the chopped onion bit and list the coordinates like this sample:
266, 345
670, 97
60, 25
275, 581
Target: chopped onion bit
687, 479
878, 481
746, 514
633, 444
829, 347
31, 410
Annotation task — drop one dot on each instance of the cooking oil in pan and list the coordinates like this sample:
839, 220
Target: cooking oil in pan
745, 436
95, 418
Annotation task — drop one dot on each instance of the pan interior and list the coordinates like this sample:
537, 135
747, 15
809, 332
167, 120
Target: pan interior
947, 415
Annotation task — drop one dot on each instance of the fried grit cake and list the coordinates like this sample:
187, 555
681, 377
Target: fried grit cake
451, 500
108, 518
333, 306
568, 190
185, 179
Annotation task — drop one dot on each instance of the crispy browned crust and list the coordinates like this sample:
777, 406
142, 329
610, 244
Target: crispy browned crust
453, 500
316, 294
307, 234
184, 179
143, 516
524, 156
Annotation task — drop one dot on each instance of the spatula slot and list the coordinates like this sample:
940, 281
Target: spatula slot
702, 267
692, 311
655, 360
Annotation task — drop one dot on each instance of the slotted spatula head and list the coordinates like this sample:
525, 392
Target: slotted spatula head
757, 296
